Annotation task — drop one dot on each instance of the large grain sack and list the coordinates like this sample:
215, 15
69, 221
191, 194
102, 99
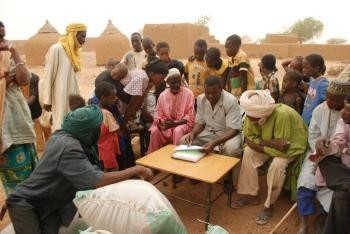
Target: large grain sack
131, 206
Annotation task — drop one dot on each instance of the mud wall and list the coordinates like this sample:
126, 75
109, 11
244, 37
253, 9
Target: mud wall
180, 37
37, 46
281, 38
329, 52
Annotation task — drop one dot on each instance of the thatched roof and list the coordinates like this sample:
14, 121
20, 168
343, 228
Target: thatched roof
47, 28
110, 29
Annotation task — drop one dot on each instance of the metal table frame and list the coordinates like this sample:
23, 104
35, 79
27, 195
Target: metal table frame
227, 188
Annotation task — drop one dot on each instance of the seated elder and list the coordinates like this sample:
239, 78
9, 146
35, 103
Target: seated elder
174, 114
270, 131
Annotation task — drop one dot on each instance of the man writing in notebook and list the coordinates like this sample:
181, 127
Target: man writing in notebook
218, 120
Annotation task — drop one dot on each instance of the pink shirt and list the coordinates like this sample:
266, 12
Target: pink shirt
342, 138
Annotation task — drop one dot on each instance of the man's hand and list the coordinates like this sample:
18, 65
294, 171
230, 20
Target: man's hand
208, 147
324, 147
251, 144
144, 172
189, 138
48, 108
321, 147
279, 144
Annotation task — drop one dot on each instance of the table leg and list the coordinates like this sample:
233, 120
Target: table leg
230, 188
208, 207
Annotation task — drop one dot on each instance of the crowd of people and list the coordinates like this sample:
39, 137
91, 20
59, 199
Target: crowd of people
297, 131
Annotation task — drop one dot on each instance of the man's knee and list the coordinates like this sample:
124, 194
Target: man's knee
233, 147
179, 131
279, 163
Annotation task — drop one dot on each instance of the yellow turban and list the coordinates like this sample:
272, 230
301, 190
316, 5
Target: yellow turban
257, 103
71, 44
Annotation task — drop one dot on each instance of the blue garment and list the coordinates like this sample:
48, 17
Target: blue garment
306, 201
316, 94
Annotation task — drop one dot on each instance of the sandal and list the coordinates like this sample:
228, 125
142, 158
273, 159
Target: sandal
263, 217
242, 202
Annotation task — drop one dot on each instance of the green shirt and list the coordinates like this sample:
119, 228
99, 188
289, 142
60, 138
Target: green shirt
284, 123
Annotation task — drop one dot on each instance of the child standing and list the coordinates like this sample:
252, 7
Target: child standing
269, 80
135, 58
291, 95
196, 71
108, 143
217, 66
314, 67
241, 76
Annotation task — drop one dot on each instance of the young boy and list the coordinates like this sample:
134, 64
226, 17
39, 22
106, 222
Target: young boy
269, 80
135, 58
291, 95
148, 47
196, 71
75, 102
296, 64
217, 66
108, 143
163, 52
241, 77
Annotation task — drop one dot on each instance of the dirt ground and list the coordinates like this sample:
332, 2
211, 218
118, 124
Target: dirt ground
233, 220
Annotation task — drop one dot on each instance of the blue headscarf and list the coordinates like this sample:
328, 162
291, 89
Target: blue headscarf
84, 124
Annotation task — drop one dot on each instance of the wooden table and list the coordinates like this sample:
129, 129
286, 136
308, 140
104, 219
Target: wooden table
210, 169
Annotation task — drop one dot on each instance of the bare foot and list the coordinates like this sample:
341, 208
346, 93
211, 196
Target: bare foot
303, 225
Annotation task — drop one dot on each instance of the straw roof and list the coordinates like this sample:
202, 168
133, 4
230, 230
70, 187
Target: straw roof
47, 28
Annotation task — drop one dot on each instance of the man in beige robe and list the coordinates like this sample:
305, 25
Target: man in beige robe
61, 73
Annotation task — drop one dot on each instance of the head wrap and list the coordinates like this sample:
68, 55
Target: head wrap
173, 72
345, 74
257, 103
339, 87
2, 24
84, 124
71, 45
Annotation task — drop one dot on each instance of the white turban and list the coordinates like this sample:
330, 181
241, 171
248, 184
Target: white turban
257, 103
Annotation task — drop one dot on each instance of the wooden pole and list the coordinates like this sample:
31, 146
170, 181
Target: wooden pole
284, 218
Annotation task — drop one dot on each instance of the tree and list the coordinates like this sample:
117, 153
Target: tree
336, 41
306, 29
203, 20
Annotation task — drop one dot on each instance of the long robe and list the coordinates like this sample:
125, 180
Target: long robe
59, 81
4, 68
174, 107
323, 123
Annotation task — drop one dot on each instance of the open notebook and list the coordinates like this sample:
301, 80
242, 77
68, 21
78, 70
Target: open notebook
188, 153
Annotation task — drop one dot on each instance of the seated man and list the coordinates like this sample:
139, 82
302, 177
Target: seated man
335, 169
174, 114
323, 122
218, 120
40, 203
270, 130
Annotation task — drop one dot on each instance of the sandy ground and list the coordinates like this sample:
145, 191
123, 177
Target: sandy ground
234, 221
